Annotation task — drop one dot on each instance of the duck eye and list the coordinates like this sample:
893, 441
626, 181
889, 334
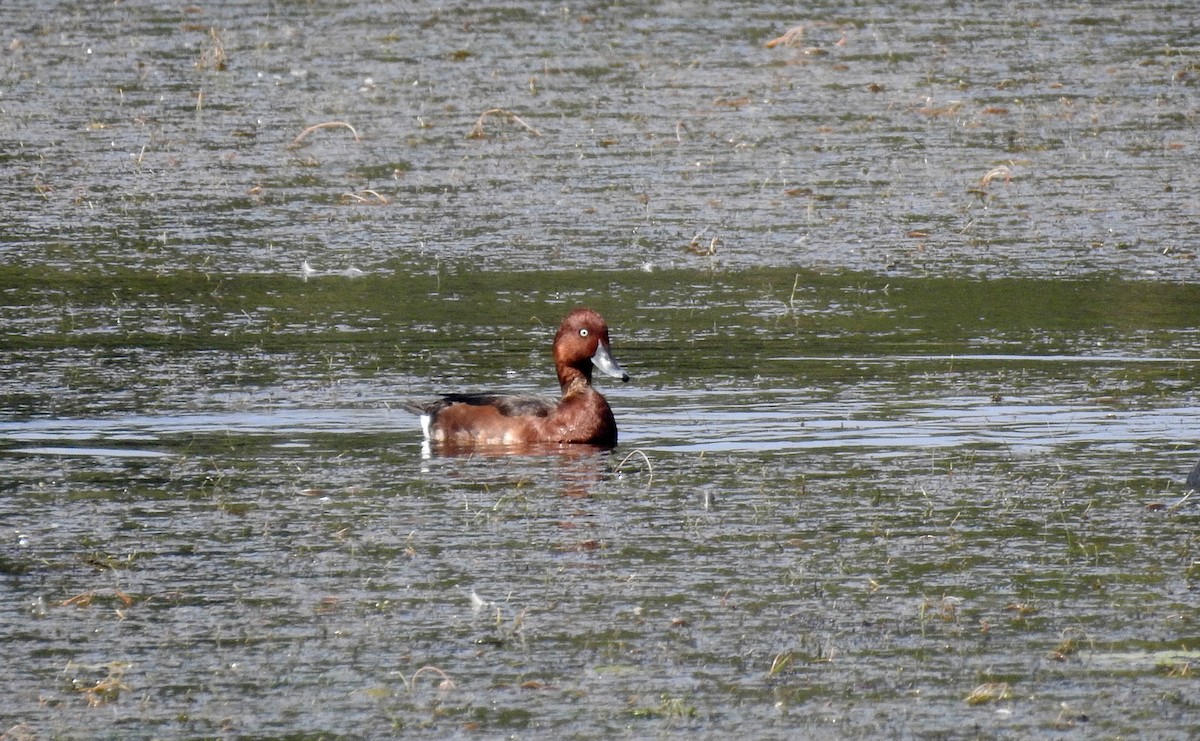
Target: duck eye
583, 332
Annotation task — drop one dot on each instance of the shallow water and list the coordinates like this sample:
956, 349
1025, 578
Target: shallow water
903, 431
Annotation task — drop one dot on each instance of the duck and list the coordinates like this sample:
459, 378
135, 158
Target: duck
580, 416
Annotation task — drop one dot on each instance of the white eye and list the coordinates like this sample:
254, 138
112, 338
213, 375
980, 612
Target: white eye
583, 332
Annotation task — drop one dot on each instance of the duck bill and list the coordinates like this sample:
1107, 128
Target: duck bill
607, 364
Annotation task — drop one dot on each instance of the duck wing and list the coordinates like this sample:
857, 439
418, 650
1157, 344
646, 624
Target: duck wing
510, 405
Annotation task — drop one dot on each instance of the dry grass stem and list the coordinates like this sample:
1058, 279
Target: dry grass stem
369, 197
326, 125
990, 692
79, 600
477, 130
20, 732
1002, 172
445, 684
105, 690
1182, 501
781, 662
649, 468
213, 56
949, 109
791, 37
1177, 669
697, 247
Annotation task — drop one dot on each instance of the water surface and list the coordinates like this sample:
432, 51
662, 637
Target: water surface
910, 308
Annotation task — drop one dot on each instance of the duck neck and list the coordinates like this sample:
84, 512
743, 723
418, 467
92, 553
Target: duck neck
573, 379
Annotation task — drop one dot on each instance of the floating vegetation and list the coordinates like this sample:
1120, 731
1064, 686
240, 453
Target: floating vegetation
477, 131
212, 56
445, 684
366, 197
697, 245
1001, 172
104, 690
326, 125
945, 609
990, 692
1064, 649
1023, 609
645, 458
1179, 669
668, 708
791, 37
109, 562
1177, 664
780, 663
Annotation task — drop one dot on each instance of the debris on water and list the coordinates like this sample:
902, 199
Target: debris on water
101, 691
213, 55
477, 602
367, 197
990, 692
308, 271
791, 37
477, 130
325, 125
1001, 172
